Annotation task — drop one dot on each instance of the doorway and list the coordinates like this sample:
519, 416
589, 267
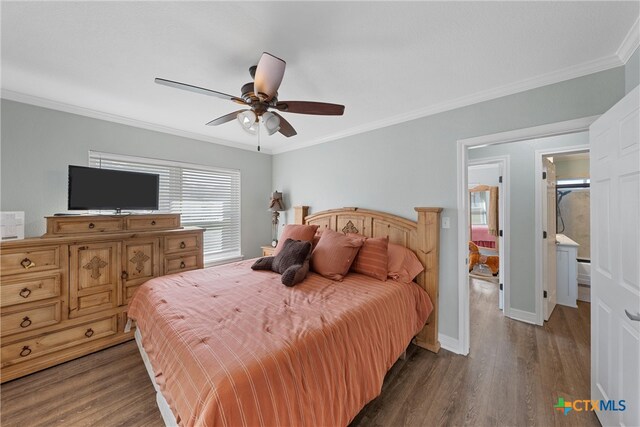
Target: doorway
487, 182
528, 264
560, 172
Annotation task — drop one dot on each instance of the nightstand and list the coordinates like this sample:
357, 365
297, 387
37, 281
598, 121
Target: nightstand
267, 250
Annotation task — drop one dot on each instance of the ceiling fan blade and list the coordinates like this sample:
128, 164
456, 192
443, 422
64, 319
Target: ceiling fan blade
268, 76
306, 107
224, 119
285, 127
197, 89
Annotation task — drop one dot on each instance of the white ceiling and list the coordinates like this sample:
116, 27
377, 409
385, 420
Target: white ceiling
386, 62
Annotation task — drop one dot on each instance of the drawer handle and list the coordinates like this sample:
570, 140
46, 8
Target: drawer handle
26, 322
27, 263
182, 264
92, 225
25, 351
153, 223
182, 245
124, 275
25, 292
89, 333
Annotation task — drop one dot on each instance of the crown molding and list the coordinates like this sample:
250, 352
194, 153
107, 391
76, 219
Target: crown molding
630, 42
101, 115
553, 77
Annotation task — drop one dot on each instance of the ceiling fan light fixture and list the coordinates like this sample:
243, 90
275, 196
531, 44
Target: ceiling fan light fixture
248, 121
271, 122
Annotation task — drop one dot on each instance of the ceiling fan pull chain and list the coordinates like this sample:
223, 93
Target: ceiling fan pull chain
258, 133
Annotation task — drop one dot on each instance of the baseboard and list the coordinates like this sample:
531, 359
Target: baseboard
449, 343
584, 279
523, 316
584, 293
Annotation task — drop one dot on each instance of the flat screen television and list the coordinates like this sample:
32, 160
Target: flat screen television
105, 189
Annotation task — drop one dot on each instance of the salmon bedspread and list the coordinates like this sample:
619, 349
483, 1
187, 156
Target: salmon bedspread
235, 347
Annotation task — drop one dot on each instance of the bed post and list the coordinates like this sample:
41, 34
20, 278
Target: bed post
428, 249
300, 213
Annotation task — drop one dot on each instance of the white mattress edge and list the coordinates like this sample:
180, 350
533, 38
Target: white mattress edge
163, 406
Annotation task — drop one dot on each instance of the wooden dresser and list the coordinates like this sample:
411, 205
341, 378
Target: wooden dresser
65, 294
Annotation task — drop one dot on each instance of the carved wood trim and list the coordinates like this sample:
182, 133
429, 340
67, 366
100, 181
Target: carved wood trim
95, 265
139, 260
350, 228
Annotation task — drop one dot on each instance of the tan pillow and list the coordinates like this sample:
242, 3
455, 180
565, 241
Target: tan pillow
404, 265
334, 254
295, 232
373, 258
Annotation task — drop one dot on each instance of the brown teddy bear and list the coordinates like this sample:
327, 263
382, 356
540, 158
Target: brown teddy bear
292, 262
475, 258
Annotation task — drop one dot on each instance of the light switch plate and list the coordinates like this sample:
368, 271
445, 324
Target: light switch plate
445, 222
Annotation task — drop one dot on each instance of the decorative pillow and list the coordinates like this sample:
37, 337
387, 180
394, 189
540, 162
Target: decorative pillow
316, 239
292, 262
373, 258
334, 254
404, 265
295, 232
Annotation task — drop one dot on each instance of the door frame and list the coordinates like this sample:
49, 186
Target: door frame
552, 129
540, 192
504, 198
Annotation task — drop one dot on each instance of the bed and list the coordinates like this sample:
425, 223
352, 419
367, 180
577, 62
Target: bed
230, 346
481, 236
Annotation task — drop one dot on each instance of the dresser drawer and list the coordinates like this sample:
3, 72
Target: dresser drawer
178, 263
87, 225
24, 350
152, 223
28, 261
27, 319
33, 287
182, 243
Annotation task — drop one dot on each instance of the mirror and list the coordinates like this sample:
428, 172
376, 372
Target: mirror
483, 217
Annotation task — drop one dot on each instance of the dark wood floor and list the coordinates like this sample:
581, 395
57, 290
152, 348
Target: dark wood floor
512, 377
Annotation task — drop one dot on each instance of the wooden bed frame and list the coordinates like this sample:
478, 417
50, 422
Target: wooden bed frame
421, 236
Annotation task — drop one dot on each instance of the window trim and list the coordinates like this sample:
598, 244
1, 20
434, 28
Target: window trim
173, 163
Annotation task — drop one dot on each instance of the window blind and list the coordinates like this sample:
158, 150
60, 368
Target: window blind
206, 197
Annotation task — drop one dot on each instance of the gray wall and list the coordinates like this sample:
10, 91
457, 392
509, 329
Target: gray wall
521, 201
483, 175
632, 71
38, 144
414, 163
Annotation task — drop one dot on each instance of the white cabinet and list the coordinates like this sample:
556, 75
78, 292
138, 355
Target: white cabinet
566, 270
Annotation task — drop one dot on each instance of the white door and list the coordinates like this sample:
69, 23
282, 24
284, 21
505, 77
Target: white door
549, 242
615, 260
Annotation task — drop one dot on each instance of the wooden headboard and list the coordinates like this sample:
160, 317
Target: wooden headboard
421, 236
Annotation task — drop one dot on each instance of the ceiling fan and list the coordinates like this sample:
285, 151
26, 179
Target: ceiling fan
260, 96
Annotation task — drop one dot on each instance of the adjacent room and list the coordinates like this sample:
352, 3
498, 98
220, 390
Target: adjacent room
275, 213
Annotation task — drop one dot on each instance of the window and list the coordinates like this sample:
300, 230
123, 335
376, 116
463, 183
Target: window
479, 203
206, 197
